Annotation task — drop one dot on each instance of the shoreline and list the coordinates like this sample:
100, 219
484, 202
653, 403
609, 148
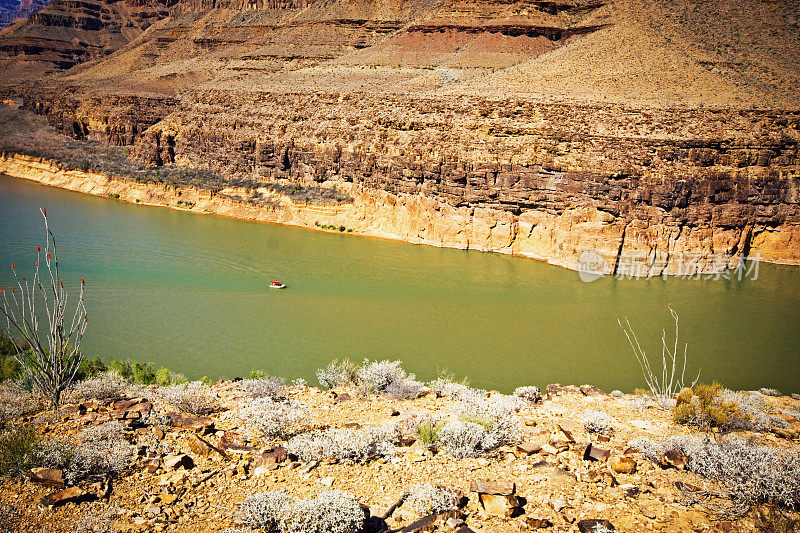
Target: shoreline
376, 214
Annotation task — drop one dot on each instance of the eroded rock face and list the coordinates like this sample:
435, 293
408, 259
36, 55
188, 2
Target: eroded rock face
543, 180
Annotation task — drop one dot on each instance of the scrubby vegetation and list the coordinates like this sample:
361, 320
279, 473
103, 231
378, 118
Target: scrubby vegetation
752, 473
330, 512
356, 445
273, 418
17, 448
98, 452
427, 499
597, 422
711, 407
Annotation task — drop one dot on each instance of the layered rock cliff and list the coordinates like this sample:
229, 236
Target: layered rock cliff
438, 116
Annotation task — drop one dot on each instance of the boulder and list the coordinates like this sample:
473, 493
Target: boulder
527, 448
199, 424
200, 446
594, 453
623, 465
47, 476
591, 390
68, 495
501, 504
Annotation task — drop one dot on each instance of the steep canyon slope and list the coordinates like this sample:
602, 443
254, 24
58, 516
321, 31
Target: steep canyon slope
658, 129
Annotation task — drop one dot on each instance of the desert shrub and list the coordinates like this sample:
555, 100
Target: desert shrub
597, 422
667, 380
357, 445
617, 394
192, 397
264, 387
770, 392
272, 418
404, 389
337, 374
749, 413
529, 393
105, 386
451, 389
429, 499
429, 430
330, 512
15, 401
377, 376
752, 473
18, 447
467, 439
98, 451
300, 383
707, 409
494, 413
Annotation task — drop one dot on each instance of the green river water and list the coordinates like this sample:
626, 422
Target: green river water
190, 292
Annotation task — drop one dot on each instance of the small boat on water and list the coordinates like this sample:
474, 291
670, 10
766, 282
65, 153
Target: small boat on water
277, 285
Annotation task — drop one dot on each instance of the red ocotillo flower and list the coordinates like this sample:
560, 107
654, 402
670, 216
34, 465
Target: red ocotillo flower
23, 278
62, 283
12, 266
82, 280
38, 249
44, 211
2, 291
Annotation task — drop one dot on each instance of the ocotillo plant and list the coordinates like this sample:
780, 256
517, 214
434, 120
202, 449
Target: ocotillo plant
668, 380
49, 352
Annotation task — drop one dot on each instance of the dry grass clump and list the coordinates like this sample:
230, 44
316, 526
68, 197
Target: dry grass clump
330, 512
706, 409
712, 407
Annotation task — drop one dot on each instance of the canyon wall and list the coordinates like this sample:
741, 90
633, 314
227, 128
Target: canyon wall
648, 191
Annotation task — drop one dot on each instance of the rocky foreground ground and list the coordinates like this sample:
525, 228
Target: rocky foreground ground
190, 472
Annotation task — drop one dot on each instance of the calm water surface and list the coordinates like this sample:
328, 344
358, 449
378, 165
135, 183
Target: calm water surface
189, 292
